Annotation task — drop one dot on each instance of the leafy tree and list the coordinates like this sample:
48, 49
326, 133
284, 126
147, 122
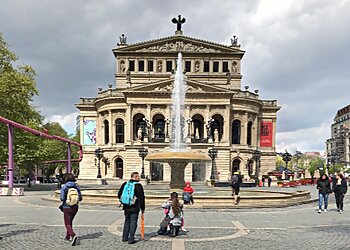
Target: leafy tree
17, 88
314, 164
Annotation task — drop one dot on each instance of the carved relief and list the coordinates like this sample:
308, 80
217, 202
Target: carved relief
178, 46
159, 66
196, 66
122, 67
234, 67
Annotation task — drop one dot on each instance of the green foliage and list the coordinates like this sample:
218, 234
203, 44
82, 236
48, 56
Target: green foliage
17, 88
314, 163
335, 168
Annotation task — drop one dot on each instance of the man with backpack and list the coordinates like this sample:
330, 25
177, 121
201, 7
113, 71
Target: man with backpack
70, 197
132, 197
236, 181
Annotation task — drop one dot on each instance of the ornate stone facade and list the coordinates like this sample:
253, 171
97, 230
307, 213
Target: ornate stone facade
136, 112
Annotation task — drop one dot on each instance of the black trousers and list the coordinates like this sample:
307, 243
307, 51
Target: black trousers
339, 200
130, 225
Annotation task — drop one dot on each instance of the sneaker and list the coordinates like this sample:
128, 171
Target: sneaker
340, 211
67, 239
319, 211
74, 240
183, 229
325, 210
132, 242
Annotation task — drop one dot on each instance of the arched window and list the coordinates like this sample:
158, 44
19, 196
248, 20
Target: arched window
235, 165
106, 128
119, 168
249, 133
119, 127
236, 132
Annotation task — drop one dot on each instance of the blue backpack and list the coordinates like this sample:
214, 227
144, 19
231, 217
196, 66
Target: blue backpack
128, 195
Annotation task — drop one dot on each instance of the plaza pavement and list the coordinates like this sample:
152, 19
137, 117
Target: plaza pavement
28, 222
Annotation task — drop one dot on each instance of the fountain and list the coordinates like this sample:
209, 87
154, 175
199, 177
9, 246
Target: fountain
178, 157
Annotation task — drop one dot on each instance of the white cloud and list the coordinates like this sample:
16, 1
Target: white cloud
309, 139
68, 122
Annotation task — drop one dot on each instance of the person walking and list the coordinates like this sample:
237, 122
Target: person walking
70, 197
269, 180
324, 188
339, 188
131, 211
235, 184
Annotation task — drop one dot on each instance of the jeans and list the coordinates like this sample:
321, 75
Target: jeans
130, 225
321, 198
339, 200
69, 214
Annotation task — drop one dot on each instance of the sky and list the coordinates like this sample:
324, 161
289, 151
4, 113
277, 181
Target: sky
297, 52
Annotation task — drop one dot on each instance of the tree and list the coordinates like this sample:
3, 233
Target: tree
314, 164
17, 88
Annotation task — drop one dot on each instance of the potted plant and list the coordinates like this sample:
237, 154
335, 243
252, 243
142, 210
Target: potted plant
279, 183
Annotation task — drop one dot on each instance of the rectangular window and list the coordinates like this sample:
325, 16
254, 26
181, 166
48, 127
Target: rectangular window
150, 66
206, 66
188, 66
225, 66
132, 65
141, 65
169, 66
215, 66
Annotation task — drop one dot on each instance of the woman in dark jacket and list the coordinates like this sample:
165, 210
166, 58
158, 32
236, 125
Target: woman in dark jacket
69, 212
324, 188
340, 188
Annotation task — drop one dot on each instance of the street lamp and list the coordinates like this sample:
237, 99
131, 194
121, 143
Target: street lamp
256, 157
286, 158
213, 152
99, 155
143, 152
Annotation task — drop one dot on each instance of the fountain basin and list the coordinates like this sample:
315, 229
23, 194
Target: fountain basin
177, 161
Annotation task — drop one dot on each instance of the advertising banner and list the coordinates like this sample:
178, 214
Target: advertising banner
266, 132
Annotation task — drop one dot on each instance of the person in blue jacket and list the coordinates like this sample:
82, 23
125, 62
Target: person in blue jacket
69, 212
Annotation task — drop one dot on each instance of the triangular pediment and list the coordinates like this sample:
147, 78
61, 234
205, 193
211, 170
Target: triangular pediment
179, 44
166, 86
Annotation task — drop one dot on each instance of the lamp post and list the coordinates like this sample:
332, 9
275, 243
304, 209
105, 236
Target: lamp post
213, 152
99, 155
143, 152
256, 157
286, 157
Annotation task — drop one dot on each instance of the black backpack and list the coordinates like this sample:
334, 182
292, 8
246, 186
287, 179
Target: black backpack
234, 180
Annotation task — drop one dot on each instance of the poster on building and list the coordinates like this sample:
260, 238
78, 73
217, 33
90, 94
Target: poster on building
266, 131
89, 132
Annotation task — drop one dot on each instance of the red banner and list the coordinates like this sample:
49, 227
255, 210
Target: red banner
266, 132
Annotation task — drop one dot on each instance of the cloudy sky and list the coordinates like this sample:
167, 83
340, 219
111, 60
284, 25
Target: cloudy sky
296, 51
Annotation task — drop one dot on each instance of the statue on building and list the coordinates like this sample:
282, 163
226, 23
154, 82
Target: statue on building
234, 42
216, 135
196, 134
122, 66
178, 22
160, 66
139, 134
234, 67
128, 79
196, 66
122, 40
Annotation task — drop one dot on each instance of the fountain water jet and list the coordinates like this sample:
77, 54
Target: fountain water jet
178, 157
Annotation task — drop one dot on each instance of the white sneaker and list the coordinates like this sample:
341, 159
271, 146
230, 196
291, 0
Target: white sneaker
183, 229
325, 210
319, 211
340, 211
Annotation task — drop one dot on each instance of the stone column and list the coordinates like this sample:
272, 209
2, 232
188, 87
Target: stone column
244, 126
136, 65
255, 131
149, 130
110, 121
128, 125
81, 124
220, 66
207, 117
227, 120
274, 132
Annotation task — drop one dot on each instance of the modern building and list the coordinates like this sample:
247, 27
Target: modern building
338, 146
135, 113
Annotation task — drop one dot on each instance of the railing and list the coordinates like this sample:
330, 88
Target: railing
10, 164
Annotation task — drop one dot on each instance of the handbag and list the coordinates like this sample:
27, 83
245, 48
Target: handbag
165, 222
